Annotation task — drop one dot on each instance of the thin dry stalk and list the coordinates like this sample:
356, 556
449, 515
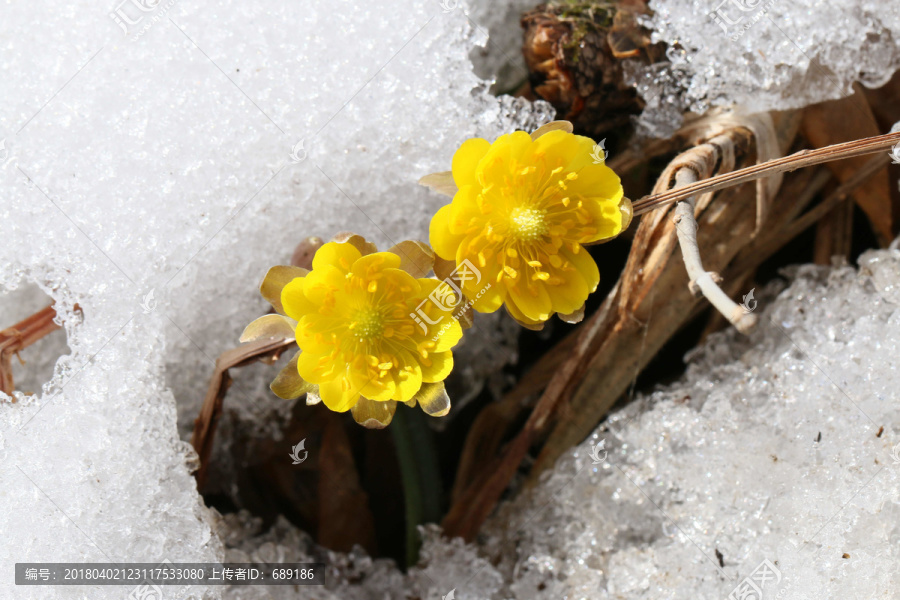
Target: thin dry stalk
206, 422
804, 158
18, 337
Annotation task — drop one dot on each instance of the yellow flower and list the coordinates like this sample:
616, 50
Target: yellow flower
523, 209
356, 318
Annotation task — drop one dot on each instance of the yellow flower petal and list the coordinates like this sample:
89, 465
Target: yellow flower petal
442, 240
585, 266
408, 382
569, 290
294, 300
597, 181
522, 320
561, 146
335, 397
337, 255
320, 286
438, 366
490, 300
370, 266
309, 367
465, 212
448, 335
504, 155
531, 299
466, 159
275, 280
372, 386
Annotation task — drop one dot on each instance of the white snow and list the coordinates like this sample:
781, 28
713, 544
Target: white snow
149, 178
764, 54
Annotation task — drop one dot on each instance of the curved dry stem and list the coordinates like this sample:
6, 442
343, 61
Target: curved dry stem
703, 281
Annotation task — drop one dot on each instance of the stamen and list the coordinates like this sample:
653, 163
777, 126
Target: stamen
527, 224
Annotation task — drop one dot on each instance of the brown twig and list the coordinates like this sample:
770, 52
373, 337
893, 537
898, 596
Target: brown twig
474, 505
491, 426
206, 422
804, 158
21, 335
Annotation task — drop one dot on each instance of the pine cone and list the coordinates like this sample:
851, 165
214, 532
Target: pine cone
574, 52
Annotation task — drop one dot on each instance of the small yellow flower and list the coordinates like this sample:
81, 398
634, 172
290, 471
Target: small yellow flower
523, 209
355, 317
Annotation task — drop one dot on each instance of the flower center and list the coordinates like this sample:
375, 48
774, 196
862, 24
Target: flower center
368, 324
528, 224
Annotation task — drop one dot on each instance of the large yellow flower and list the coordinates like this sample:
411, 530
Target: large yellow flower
523, 209
369, 335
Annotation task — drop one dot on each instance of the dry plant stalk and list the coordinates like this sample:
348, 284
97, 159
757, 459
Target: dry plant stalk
18, 337
206, 422
804, 158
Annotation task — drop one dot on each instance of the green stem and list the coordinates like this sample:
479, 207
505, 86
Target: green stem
419, 469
